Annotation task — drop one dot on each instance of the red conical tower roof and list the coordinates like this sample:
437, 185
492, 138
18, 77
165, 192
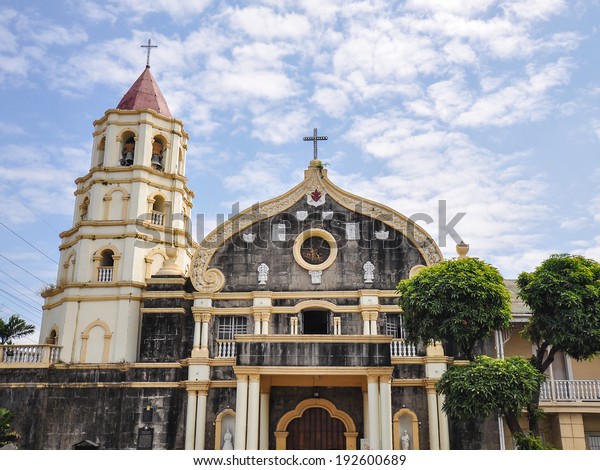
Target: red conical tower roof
145, 94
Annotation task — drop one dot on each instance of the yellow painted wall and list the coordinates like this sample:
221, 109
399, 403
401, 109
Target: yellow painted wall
517, 346
586, 370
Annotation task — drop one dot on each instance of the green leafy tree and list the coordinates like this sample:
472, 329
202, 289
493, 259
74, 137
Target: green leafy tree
459, 300
563, 294
491, 386
14, 328
7, 434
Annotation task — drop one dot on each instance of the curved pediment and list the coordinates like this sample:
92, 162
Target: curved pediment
313, 208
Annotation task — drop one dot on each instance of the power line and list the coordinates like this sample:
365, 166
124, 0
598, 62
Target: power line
36, 249
34, 308
10, 261
20, 293
19, 282
25, 306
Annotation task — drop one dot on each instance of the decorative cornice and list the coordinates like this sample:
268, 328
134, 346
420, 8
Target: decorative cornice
210, 280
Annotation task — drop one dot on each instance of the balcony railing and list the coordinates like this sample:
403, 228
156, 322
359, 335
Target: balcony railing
105, 274
570, 390
157, 218
400, 348
225, 348
29, 354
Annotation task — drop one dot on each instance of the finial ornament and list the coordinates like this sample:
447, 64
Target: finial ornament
462, 249
149, 46
314, 138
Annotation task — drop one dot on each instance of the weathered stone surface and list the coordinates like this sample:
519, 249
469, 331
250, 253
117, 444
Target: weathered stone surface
62, 407
393, 258
314, 354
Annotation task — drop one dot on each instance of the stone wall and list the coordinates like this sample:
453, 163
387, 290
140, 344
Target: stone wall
58, 407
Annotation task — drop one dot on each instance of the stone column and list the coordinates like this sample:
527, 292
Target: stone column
366, 323
190, 420
385, 393
241, 408
204, 337
256, 323
373, 397
373, 321
366, 414
201, 420
263, 443
253, 412
265, 323
432, 410
443, 420
197, 334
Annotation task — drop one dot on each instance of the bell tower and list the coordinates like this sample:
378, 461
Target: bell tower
131, 221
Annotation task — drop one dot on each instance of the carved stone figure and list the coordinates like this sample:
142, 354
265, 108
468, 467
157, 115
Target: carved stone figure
405, 440
227, 440
369, 269
263, 274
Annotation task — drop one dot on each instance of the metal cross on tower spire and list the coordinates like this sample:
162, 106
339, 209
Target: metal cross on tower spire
148, 47
314, 138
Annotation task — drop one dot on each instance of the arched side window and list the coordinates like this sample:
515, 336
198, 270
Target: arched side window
84, 209
95, 342
127, 149
100, 150
68, 270
116, 204
52, 337
159, 147
158, 210
180, 164
105, 263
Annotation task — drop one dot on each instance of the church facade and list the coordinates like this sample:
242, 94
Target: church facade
279, 330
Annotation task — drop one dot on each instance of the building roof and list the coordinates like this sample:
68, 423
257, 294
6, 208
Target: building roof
517, 305
145, 94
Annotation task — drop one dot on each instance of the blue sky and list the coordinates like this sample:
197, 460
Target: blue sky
488, 105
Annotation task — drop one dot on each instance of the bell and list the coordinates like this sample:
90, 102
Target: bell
156, 162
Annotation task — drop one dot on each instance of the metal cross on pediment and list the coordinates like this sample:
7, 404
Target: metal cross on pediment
149, 47
314, 138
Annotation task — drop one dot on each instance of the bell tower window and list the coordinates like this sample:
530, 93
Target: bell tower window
158, 211
105, 269
158, 148
128, 150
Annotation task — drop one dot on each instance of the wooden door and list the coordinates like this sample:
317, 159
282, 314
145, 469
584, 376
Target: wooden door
316, 430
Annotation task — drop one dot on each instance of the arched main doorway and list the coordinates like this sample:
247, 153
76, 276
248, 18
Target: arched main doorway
316, 429
316, 424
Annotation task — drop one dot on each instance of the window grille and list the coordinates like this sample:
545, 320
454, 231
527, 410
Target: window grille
231, 326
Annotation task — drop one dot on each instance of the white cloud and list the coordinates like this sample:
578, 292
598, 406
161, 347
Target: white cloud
264, 23
524, 99
423, 165
534, 9
574, 223
280, 125
50, 175
135, 10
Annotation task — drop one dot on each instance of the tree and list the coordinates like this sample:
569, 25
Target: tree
459, 300
563, 294
14, 328
7, 434
491, 386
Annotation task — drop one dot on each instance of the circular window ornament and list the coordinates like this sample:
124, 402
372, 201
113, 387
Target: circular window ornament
315, 249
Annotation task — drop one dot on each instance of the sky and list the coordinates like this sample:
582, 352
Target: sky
477, 115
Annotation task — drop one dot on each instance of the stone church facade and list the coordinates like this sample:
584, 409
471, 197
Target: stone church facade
279, 330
